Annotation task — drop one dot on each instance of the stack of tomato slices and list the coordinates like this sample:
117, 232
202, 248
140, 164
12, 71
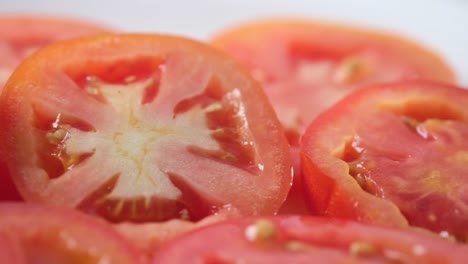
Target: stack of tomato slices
149, 148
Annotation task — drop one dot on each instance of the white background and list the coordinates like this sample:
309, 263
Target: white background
439, 24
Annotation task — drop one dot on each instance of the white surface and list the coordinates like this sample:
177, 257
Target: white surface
439, 24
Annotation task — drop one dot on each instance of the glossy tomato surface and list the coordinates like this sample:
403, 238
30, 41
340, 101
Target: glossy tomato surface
44, 234
392, 154
306, 66
20, 36
143, 128
300, 239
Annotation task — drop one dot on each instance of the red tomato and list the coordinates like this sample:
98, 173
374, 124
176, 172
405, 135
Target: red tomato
306, 66
300, 239
42, 234
143, 128
19, 37
392, 154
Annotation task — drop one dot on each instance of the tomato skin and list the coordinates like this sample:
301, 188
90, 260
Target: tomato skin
307, 239
44, 234
58, 73
305, 66
398, 164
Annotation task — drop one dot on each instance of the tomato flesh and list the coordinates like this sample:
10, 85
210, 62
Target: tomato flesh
170, 130
405, 145
300, 239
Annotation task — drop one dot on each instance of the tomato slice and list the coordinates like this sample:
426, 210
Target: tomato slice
19, 37
392, 154
306, 66
143, 128
43, 234
301, 239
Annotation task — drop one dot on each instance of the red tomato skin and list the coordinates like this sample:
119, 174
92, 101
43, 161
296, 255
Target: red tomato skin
330, 189
307, 239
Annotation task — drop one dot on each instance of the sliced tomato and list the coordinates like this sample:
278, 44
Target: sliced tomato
19, 37
392, 154
44, 234
143, 128
301, 239
306, 66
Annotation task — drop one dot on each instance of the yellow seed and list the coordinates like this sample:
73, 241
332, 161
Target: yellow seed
147, 203
410, 121
432, 217
219, 132
350, 71
362, 249
261, 230
184, 214
71, 161
92, 90
361, 180
118, 207
57, 136
229, 157
295, 246
214, 107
